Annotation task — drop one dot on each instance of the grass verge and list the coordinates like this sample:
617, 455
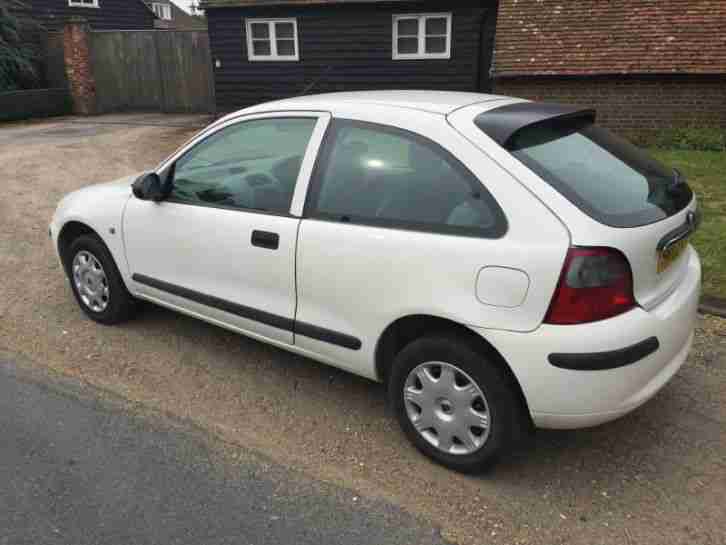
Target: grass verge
706, 174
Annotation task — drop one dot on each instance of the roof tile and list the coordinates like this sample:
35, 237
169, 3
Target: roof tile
590, 37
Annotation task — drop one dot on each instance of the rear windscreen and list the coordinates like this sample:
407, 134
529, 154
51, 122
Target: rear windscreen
607, 177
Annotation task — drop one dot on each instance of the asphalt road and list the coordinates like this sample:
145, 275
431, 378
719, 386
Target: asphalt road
77, 468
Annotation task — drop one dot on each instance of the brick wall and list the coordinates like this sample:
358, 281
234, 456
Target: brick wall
634, 105
77, 59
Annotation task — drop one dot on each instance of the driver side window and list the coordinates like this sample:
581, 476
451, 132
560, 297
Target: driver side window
251, 165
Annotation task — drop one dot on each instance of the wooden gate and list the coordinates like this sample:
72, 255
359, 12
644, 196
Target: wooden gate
168, 71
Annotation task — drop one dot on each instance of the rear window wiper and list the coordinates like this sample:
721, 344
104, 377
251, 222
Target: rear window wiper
678, 180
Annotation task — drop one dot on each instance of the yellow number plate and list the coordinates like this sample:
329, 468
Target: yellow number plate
668, 256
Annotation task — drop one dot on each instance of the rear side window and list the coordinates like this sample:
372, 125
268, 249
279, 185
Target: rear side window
378, 175
608, 178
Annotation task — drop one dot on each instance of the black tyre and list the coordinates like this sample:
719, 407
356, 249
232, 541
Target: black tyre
96, 281
453, 403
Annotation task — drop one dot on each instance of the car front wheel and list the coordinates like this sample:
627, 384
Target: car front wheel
96, 281
453, 403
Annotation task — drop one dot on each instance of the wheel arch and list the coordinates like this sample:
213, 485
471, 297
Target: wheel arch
70, 231
73, 229
406, 329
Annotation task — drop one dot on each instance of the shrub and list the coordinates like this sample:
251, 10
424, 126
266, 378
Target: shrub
18, 57
691, 138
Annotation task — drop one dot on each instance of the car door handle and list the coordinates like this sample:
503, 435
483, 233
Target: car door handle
265, 239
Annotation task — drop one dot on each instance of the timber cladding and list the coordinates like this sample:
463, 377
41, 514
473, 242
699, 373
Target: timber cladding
111, 14
346, 47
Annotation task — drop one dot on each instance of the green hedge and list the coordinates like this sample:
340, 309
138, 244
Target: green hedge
690, 139
34, 103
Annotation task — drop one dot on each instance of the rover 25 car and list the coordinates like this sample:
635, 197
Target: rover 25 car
497, 263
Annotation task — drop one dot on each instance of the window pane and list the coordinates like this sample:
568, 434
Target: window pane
435, 45
286, 47
260, 30
248, 165
284, 30
436, 26
408, 27
605, 176
390, 177
261, 47
407, 46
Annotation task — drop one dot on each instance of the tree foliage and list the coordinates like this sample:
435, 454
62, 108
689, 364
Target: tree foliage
18, 54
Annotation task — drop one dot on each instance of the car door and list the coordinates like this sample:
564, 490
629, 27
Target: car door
221, 246
397, 225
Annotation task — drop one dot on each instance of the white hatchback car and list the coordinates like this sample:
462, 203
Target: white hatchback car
496, 262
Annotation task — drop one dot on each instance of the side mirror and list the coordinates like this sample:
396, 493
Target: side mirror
148, 187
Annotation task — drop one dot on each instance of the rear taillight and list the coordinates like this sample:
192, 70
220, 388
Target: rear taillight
596, 283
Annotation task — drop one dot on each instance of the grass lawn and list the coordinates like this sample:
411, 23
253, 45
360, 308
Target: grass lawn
706, 174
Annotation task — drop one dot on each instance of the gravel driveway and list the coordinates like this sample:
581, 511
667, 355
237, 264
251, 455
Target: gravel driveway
656, 476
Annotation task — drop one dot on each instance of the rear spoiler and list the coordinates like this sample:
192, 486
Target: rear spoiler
502, 123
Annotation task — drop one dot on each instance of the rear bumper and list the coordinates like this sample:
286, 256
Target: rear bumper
569, 398
601, 361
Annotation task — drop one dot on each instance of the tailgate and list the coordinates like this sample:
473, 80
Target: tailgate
658, 255
616, 194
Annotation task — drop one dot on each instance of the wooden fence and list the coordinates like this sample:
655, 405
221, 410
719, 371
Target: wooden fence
168, 71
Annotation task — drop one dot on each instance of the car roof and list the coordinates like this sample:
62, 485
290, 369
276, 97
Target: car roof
436, 102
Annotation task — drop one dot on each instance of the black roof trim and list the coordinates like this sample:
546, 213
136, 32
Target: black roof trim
502, 123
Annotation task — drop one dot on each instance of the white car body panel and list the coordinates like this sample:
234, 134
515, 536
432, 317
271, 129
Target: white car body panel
100, 207
203, 249
562, 398
437, 102
357, 280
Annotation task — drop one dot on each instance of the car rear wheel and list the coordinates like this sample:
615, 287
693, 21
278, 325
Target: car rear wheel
453, 403
96, 281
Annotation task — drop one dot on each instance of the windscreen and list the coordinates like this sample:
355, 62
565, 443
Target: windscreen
607, 177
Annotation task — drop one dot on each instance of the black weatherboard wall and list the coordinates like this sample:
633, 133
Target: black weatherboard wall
348, 47
110, 15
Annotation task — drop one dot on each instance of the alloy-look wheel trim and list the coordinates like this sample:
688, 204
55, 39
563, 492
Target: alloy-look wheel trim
90, 281
447, 408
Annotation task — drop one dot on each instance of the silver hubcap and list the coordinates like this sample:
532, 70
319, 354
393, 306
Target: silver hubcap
447, 407
90, 280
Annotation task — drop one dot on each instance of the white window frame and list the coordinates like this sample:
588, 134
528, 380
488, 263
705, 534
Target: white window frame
421, 53
273, 56
164, 10
79, 4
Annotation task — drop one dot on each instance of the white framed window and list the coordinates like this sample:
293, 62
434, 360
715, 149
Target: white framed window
422, 36
272, 40
163, 11
83, 3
